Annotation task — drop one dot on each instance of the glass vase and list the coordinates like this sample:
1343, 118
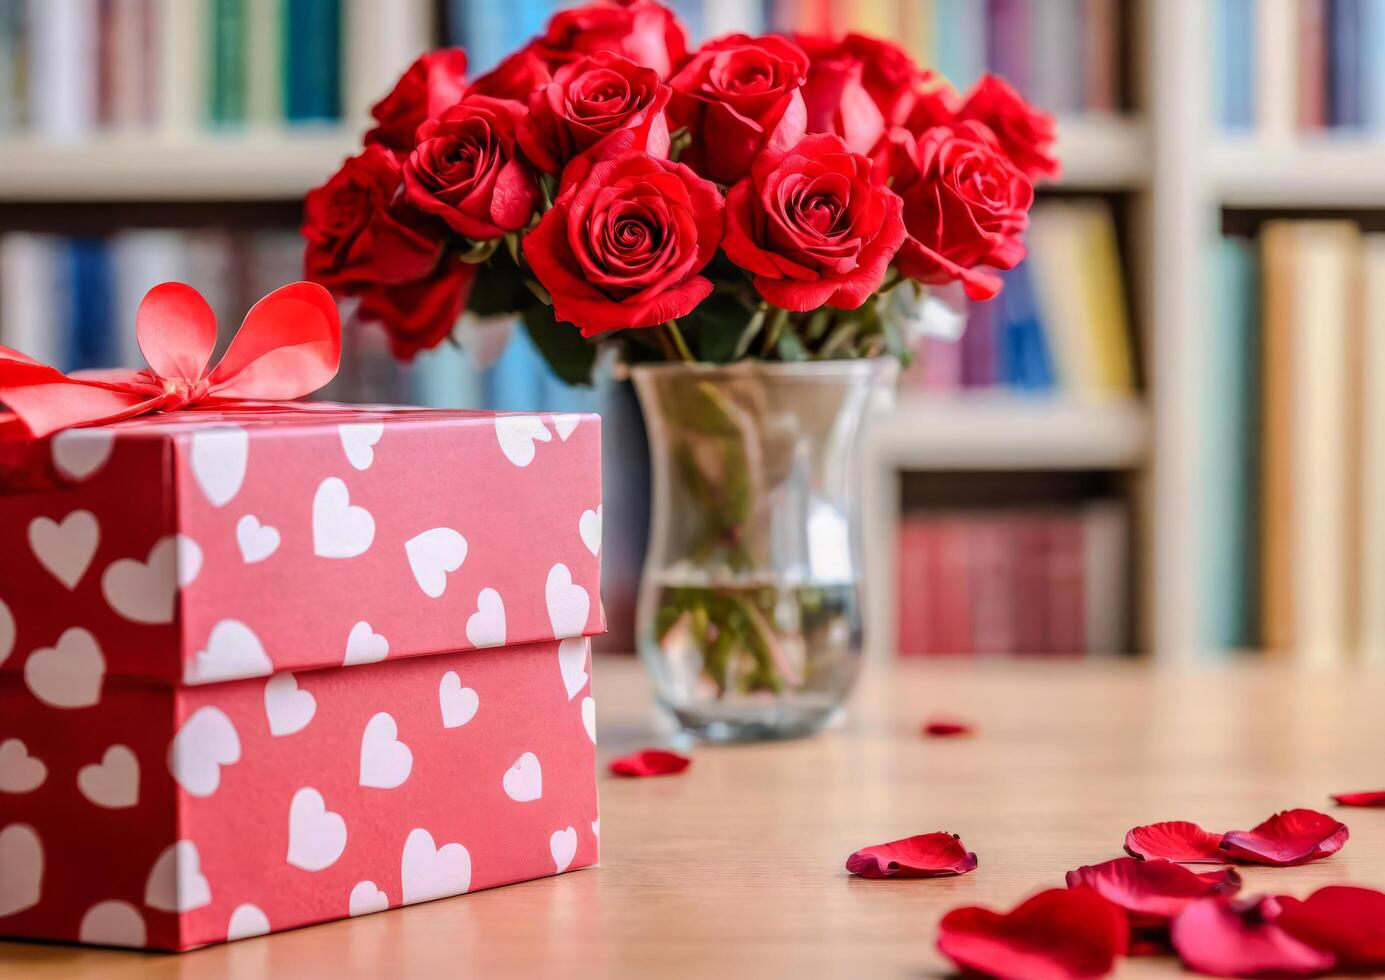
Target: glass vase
749, 616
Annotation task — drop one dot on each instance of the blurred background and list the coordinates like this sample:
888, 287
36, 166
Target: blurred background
1166, 437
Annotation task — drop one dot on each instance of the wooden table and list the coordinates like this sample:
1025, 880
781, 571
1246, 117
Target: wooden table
734, 869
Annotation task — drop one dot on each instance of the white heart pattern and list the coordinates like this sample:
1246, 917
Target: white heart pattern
572, 664
432, 555
256, 541
176, 882
517, 433
113, 923
589, 527
563, 846
220, 455
317, 836
78, 453
206, 742
364, 646
596, 827
366, 898
486, 626
233, 651
427, 872
589, 718
65, 549
19, 771
359, 439
246, 920
565, 424
568, 604
69, 673
458, 703
523, 781
147, 591
340, 529
7, 631
286, 707
385, 761
114, 781
21, 857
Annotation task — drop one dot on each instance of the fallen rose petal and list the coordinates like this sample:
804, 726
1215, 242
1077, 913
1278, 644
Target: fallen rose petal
1371, 798
1346, 921
1152, 892
945, 727
937, 855
650, 762
1291, 837
1230, 938
1149, 942
1175, 840
1056, 935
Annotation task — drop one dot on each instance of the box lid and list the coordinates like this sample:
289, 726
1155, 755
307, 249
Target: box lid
207, 546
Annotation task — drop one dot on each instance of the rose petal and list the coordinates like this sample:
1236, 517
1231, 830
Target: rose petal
1152, 892
1291, 837
1057, 934
946, 727
1346, 921
650, 762
1175, 840
1369, 798
1230, 938
936, 855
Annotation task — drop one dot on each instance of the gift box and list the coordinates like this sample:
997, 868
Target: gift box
265, 666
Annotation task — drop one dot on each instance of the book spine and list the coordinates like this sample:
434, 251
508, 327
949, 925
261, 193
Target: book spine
1066, 615
63, 60
29, 274
1235, 42
1313, 64
1106, 577
382, 41
227, 88
1371, 487
1100, 26
961, 29
182, 81
312, 60
264, 77
1277, 69
89, 333
1345, 78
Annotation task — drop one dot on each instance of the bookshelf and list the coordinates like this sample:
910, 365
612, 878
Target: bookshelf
1328, 171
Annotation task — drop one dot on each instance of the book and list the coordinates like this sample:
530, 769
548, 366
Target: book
381, 42
1007, 42
13, 59
1229, 460
1277, 69
1107, 316
30, 279
992, 575
264, 74
961, 30
311, 58
227, 93
1373, 69
1056, 255
1345, 78
1025, 360
1065, 586
732, 17
1101, 55
88, 331
1277, 492
62, 68
1371, 479
1313, 63
182, 83
1106, 576
1234, 41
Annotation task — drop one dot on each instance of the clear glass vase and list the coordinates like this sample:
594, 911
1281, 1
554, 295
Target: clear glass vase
749, 614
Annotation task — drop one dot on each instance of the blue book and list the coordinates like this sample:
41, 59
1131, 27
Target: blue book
89, 331
960, 30
1229, 464
312, 60
1345, 76
1235, 43
1025, 361
1373, 61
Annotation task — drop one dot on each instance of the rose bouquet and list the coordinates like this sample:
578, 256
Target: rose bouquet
759, 199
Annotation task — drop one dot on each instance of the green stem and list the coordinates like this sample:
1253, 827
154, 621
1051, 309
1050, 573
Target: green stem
679, 344
772, 331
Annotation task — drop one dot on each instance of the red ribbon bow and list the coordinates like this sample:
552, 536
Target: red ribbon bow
288, 346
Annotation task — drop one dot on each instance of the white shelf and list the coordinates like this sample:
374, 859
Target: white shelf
1006, 432
278, 166
1103, 152
1315, 171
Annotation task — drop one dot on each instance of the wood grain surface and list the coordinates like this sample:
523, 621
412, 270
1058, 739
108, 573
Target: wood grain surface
734, 869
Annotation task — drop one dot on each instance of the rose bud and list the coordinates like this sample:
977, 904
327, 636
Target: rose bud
466, 170
589, 100
736, 96
623, 245
433, 84
813, 226
640, 30
858, 86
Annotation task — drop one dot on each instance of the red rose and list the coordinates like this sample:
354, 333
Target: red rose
515, 77
466, 171
813, 226
1025, 134
640, 30
433, 83
623, 245
359, 232
587, 101
966, 206
858, 86
737, 95
420, 315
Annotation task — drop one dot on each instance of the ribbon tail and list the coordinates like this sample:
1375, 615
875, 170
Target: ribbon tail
45, 400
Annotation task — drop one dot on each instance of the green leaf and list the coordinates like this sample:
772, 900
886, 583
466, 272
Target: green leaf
478, 252
498, 289
562, 345
714, 328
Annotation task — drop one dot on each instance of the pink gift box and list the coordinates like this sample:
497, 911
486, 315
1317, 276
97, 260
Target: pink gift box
265, 668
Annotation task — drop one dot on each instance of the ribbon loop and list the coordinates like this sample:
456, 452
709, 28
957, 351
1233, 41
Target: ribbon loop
288, 347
